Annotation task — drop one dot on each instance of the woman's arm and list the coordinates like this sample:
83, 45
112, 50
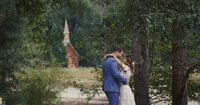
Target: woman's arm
118, 61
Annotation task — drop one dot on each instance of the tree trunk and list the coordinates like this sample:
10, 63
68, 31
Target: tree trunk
102, 11
179, 92
140, 52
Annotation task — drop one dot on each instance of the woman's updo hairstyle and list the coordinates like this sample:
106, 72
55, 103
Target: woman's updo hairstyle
129, 61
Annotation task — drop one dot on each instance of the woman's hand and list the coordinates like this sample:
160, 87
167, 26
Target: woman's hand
129, 68
107, 55
127, 82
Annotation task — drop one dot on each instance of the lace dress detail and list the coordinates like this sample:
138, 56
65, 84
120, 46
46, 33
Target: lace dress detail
126, 96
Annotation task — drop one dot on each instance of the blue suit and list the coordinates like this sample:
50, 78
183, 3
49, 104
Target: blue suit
111, 80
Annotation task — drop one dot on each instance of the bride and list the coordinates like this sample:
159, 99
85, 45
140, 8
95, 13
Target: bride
126, 96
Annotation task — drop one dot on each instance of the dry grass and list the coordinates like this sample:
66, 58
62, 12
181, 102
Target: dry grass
83, 75
195, 76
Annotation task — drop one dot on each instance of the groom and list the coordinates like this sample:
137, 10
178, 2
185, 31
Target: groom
112, 77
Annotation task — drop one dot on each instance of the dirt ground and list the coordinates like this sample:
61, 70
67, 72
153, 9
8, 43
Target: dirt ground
72, 96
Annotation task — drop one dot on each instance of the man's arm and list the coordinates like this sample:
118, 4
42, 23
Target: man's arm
115, 73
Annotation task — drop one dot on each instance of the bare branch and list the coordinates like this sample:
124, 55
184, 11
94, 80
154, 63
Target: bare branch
188, 72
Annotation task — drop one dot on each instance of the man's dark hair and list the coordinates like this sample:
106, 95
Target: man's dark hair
117, 48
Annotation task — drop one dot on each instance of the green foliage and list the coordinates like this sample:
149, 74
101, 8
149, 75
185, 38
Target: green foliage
32, 33
54, 35
194, 92
82, 23
41, 86
175, 17
124, 19
22, 40
31, 36
15, 98
12, 28
112, 31
160, 80
37, 40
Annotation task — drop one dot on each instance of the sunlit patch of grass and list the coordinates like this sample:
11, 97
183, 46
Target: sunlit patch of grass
83, 75
195, 76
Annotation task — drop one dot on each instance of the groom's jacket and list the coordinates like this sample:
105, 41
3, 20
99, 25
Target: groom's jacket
111, 75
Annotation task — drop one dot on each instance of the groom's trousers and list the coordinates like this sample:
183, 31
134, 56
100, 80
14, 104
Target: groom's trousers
112, 97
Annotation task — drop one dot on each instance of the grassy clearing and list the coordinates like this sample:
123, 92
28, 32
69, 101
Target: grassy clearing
195, 76
83, 75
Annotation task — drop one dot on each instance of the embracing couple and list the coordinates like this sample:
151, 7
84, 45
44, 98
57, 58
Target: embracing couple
116, 76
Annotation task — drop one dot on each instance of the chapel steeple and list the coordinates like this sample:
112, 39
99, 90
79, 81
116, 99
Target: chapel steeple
72, 54
66, 33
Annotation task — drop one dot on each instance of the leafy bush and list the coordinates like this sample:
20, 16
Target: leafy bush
41, 86
14, 98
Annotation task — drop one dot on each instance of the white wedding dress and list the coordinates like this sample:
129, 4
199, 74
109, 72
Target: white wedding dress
126, 96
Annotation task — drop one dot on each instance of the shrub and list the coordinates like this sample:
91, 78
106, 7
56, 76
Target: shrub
41, 86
